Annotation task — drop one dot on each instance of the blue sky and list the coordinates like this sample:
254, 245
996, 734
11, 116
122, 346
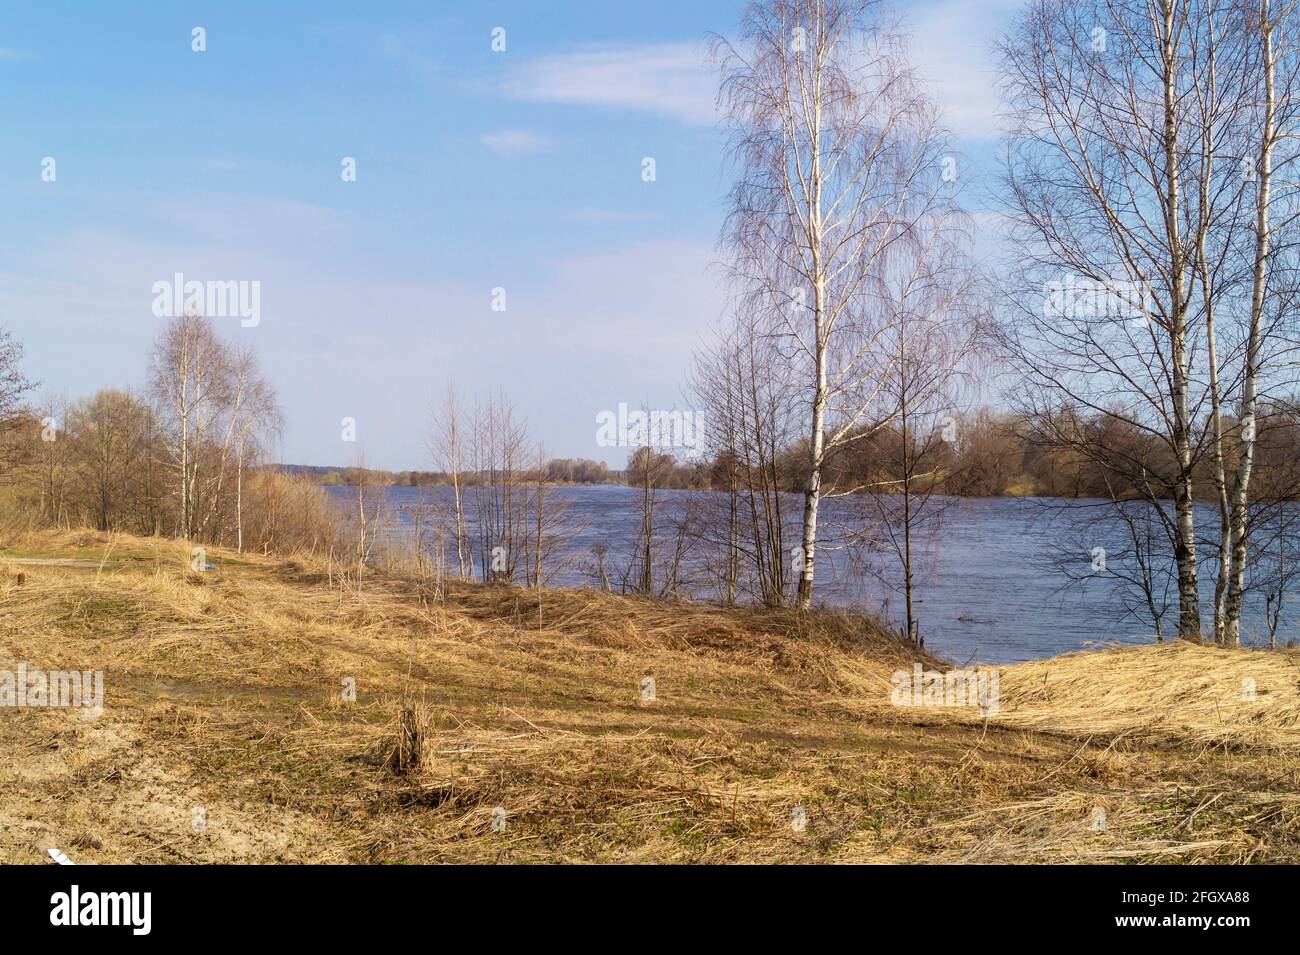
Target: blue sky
475, 170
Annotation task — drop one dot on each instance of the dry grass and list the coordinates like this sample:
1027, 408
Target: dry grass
1197, 695
224, 693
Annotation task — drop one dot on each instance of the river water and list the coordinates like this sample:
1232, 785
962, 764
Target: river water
998, 580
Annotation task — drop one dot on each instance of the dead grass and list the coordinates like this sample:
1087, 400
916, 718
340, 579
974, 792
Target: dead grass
224, 693
1198, 695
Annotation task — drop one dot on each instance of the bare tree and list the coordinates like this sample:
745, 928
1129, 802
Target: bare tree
216, 411
1133, 565
646, 468
108, 432
53, 460
445, 447
190, 381
931, 305
743, 386
499, 446
838, 157
14, 385
250, 415
1272, 43
1109, 236
1145, 140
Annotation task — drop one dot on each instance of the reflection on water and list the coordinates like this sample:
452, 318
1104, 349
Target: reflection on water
989, 585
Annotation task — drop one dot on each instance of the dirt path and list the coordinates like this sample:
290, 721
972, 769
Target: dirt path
94, 788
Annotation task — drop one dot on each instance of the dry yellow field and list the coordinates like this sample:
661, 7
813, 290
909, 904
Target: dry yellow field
487, 728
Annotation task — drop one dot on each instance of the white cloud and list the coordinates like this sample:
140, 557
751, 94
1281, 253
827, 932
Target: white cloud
669, 79
950, 46
515, 142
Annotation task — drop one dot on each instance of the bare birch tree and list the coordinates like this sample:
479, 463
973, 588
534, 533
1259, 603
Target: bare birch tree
838, 158
1272, 47
1109, 140
214, 407
189, 378
1144, 144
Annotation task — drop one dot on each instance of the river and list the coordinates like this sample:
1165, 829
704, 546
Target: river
998, 580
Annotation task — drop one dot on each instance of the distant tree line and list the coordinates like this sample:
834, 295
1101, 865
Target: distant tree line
983, 453
555, 471
990, 453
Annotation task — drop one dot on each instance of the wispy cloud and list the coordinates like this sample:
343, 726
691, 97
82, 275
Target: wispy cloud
411, 56
668, 79
7, 54
515, 142
594, 216
952, 52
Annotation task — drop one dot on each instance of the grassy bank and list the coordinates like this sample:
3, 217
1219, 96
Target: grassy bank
223, 693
